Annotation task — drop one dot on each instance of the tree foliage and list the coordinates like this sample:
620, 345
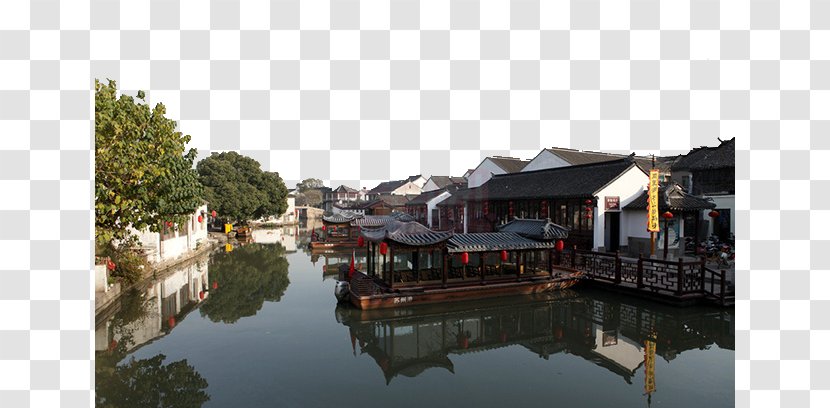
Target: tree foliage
309, 184
239, 190
246, 278
310, 197
143, 174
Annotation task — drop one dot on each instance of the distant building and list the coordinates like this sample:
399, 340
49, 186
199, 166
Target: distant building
173, 242
710, 172
423, 207
440, 182
495, 165
410, 185
559, 157
340, 195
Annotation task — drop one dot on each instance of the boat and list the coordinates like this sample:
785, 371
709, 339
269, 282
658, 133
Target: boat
342, 230
409, 264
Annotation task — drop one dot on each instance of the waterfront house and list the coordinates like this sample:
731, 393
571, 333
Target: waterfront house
560, 157
340, 195
386, 204
710, 172
495, 165
423, 207
410, 185
441, 182
176, 240
587, 198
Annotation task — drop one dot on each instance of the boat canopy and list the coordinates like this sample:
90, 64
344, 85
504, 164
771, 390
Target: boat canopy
535, 229
340, 218
493, 241
406, 233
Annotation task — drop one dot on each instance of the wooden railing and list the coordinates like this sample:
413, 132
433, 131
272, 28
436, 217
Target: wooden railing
678, 278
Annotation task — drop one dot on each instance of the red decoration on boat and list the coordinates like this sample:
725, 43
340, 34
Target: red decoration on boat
201, 295
465, 258
360, 241
171, 322
714, 214
351, 266
383, 248
560, 245
504, 256
668, 215
200, 219
323, 228
334, 228
215, 284
213, 213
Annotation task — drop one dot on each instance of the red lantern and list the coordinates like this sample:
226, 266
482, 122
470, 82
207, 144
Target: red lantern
465, 258
324, 228
360, 241
334, 228
110, 265
201, 295
668, 215
588, 202
215, 284
213, 213
200, 219
589, 216
171, 322
383, 248
504, 256
169, 224
560, 245
714, 214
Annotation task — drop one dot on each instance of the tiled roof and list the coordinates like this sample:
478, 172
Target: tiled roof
493, 241
535, 229
378, 220
394, 200
577, 157
444, 181
562, 182
679, 200
708, 158
407, 233
388, 186
341, 218
424, 197
344, 189
509, 164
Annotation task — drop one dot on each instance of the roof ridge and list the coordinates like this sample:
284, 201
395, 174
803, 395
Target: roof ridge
602, 163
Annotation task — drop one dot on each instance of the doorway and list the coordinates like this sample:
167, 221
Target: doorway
612, 225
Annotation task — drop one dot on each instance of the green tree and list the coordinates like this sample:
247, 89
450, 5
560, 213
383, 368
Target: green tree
308, 184
246, 278
310, 197
239, 190
144, 175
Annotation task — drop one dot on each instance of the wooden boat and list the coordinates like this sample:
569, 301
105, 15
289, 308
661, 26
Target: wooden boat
342, 230
409, 264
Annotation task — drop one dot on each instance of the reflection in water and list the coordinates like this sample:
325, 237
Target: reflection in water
617, 335
246, 278
150, 383
144, 315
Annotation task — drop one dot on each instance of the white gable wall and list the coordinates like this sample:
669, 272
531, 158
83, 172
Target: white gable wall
483, 172
627, 187
545, 160
434, 202
408, 188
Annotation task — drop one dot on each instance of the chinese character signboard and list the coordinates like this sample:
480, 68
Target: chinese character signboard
653, 191
612, 203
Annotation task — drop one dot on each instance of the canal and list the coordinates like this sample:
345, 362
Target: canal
259, 326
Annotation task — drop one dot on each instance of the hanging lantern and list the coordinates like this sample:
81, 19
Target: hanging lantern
201, 295
360, 241
588, 202
334, 228
169, 224
323, 228
504, 256
171, 322
215, 284
465, 258
383, 248
213, 213
200, 219
110, 265
668, 215
714, 214
560, 245
589, 216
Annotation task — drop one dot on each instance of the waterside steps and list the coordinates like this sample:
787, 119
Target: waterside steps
682, 282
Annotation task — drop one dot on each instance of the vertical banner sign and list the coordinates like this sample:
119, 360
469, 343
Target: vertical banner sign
653, 191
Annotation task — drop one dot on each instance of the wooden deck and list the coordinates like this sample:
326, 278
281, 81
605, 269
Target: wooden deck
680, 282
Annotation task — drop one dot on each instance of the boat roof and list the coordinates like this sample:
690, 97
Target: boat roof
406, 233
535, 229
493, 241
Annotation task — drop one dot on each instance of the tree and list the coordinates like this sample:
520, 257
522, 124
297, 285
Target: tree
310, 197
143, 176
239, 190
308, 184
246, 278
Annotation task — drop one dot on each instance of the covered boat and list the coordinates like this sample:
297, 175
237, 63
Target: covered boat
342, 230
408, 263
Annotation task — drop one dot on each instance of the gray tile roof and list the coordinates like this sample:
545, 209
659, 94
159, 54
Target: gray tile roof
708, 158
493, 241
535, 229
509, 164
679, 200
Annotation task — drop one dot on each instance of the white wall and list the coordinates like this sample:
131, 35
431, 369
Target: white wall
483, 173
545, 160
408, 188
723, 201
628, 187
185, 238
636, 224
431, 204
